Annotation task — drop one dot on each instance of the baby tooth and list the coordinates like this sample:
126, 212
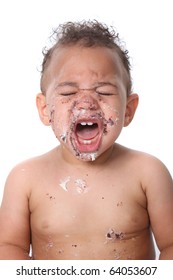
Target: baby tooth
88, 123
87, 142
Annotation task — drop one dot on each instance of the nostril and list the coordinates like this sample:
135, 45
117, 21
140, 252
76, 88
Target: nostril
93, 106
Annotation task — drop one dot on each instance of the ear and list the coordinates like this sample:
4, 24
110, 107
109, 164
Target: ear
131, 106
42, 108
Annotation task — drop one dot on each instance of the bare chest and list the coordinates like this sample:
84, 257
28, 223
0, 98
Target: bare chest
79, 206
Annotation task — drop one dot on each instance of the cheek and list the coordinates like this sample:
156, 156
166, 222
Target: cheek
58, 119
114, 121
112, 116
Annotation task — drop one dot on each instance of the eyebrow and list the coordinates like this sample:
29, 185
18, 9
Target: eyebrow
63, 84
74, 84
100, 84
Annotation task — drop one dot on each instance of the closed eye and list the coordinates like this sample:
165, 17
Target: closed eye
67, 93
106, 89
105, 93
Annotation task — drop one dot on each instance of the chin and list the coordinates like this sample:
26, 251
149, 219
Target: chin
92, 156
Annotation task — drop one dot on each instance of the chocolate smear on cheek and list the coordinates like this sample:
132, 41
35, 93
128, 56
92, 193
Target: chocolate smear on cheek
65, 133
51, 120
56, 121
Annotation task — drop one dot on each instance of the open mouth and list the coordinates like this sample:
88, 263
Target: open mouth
88, 134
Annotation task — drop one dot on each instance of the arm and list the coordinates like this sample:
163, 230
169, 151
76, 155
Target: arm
14, 218
159, 192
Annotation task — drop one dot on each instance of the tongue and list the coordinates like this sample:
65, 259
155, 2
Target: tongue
87, 132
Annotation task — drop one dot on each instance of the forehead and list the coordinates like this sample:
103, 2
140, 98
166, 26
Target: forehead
78, 63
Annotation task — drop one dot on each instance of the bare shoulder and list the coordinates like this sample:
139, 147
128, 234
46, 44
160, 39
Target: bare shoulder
146, 162
148, 169
17, 193
152, 170
29, 170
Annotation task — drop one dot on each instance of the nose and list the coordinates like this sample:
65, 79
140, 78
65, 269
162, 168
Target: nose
87, 102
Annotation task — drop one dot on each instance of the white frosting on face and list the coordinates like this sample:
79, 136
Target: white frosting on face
82, 83
88, 156
64, 131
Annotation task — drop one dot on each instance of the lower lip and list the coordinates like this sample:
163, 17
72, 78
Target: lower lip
89, 145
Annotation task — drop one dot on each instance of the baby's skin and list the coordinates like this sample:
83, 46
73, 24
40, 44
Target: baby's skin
89, 198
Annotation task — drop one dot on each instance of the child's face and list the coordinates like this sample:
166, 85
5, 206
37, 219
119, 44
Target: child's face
86, 101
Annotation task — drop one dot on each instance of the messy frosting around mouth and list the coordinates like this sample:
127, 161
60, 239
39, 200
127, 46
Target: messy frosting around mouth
86, 133
85, 130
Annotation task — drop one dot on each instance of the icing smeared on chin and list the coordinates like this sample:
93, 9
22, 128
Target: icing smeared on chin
83, 133
88, 156
83, 149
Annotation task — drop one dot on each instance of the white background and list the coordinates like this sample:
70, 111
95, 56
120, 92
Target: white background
145, 27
